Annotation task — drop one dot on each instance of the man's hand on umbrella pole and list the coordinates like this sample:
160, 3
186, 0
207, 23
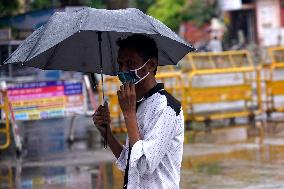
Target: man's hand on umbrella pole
127, 101
101, 119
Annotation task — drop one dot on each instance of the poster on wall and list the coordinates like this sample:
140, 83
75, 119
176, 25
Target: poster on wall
268, 23
46, 99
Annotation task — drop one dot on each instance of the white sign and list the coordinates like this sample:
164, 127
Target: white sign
273, 37
228, 5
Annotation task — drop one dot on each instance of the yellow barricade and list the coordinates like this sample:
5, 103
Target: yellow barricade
168, 68
204, 68
274, 80
4, 131
6, 177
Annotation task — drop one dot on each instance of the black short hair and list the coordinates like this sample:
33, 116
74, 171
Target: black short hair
145, 46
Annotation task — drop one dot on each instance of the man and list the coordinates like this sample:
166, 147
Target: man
215, 45
152, 155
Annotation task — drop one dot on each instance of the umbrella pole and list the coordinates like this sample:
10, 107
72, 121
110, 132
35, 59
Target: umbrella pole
102, 79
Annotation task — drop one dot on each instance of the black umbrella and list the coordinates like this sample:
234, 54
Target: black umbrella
85, 40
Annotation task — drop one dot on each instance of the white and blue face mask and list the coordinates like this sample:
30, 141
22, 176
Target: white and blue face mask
132, 76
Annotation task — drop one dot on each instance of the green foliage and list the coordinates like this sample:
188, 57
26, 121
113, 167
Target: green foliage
172, 13
41, 4
100, 4
199, 12
168, 12
143, 5
7, 7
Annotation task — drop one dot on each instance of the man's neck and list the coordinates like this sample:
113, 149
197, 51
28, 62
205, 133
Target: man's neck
144, 87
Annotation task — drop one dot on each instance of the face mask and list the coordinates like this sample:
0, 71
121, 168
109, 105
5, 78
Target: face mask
132, 75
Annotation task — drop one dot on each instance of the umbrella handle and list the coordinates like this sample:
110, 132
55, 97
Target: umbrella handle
101, 66
105, 138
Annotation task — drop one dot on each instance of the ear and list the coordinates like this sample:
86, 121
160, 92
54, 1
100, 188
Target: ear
152, 64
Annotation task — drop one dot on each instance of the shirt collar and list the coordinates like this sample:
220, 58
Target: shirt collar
158, 87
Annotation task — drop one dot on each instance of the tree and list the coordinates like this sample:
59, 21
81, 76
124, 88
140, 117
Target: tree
41, 4
199, 11
97, 4
8, 7
72, 2
143, 5
116, 4
168, 12
172, 13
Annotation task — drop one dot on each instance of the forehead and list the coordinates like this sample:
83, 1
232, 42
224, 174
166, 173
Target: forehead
126, 54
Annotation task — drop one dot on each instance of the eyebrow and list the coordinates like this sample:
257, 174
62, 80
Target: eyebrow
128, 62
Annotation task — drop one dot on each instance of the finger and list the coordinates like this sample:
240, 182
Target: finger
99, 121
128, 89
99, 118
96, 110
106, 106
99, 109
118, 94
106, 112
132, 88
98, 113
126, 86
102, 116
121, 87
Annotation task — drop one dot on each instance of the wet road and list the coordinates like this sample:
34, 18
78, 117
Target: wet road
245, 166
50, 163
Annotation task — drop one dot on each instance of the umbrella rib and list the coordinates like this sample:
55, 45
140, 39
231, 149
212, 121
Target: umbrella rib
86, 16
7, 59
80, 21
51, 57
110, 46
146, 18
168, 56
35, 45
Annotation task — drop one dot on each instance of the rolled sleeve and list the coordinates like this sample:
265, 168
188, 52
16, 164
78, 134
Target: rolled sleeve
122, 160
137, 157
136, 153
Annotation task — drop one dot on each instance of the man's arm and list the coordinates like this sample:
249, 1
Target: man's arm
102, 121
132, 129
127, 101
114, 145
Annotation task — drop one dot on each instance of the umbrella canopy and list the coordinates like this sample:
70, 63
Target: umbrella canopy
69, 41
